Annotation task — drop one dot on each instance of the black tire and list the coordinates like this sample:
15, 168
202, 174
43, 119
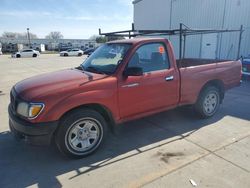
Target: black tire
65, 54
34, 55
80, 54
67, 126
204, 107
18, 56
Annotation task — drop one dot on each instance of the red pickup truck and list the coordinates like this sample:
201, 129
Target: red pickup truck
122, 80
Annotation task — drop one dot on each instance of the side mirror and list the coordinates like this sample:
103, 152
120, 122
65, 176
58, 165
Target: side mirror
133, 71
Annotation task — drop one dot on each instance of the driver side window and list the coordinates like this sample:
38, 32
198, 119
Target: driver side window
150, 57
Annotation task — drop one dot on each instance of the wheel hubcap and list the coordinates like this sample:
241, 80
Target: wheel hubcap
83, 135
210, 103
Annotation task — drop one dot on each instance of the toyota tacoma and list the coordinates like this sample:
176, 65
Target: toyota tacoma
121, 81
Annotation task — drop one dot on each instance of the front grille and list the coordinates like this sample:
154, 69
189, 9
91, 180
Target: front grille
13, 100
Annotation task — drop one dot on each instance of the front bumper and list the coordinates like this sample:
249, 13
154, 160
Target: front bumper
34, 133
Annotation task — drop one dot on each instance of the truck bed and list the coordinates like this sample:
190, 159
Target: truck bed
190, 62
195, 73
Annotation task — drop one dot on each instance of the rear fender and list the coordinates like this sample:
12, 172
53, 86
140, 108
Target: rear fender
217, 83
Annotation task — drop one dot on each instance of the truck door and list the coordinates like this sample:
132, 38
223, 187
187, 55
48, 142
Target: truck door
158, 86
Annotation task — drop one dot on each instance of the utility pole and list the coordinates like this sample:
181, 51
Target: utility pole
181, 34
240, 38
28, 36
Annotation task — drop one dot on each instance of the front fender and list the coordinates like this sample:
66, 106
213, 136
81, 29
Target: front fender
104, 98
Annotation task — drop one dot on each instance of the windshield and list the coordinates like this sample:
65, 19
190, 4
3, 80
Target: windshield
106, 58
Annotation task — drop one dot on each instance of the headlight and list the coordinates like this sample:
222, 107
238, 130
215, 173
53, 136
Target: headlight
23, 109
29, 110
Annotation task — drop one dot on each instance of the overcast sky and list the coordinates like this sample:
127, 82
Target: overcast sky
73, 18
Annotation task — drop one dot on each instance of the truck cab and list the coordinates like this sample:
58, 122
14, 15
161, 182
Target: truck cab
121, 81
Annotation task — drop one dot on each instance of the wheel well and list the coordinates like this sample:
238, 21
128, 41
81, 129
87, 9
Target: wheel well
218, 84
104, 111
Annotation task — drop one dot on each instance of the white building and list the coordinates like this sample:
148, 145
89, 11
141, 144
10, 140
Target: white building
199, 14
50, 44
39, 47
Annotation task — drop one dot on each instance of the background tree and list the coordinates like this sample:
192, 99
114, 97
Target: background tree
110, 38
32, 36
15, 35
101, 39
7, 34
54, 35
98, 39
93, 37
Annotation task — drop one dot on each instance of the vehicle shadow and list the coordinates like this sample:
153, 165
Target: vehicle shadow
22, 165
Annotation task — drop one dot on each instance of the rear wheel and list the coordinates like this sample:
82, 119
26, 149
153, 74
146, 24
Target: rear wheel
208, 102
81, 133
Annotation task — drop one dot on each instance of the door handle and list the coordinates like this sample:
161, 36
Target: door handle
169, 78
131, 85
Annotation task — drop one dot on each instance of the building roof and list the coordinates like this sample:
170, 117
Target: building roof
136, 1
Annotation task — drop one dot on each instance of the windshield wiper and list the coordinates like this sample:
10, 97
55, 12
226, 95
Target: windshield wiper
94, 69
80, 67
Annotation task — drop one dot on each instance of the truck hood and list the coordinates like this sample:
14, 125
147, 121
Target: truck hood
64, 81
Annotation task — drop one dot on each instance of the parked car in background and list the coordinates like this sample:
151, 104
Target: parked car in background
1, 49
123, 80
71, 52
83, 48
246, 68
89, 51
26, 53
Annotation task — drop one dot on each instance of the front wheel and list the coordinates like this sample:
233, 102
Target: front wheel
81, 133
208, 102
34, 55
